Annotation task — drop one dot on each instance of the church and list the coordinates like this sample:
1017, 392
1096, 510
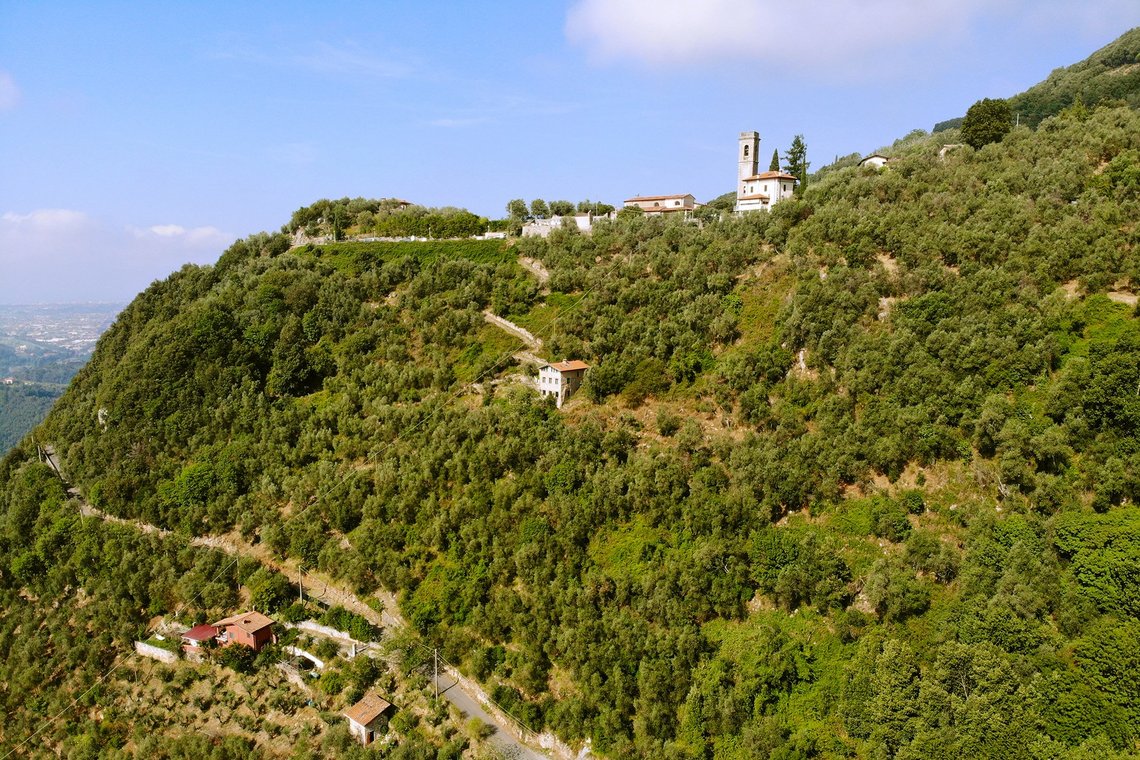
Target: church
756, 191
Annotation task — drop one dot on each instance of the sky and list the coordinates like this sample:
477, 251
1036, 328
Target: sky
138, 137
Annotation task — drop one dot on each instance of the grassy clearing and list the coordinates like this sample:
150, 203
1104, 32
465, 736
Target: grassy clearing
489, 353
544, 314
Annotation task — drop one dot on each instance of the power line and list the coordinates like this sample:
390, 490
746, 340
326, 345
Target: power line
320, 497
439, 407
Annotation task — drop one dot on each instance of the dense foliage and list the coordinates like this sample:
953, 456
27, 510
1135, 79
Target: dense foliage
855, 478
389, 217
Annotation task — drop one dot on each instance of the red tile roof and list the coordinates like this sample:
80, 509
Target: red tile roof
770, 175
201, 633
250, 622
570, 366
757, 197
369, 708
656, 197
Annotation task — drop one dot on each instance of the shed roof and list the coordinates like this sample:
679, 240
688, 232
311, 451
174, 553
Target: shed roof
369, 708
201, 632
250, 622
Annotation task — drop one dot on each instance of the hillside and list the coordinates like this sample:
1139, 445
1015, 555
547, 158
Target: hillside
1111, 74
856, 478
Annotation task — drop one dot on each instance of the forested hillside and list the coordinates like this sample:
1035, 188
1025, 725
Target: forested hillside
856, 478
1111, 75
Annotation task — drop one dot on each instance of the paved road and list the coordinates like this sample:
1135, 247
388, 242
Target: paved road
507, 744
320, 586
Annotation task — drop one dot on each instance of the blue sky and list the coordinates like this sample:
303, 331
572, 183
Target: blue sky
135, 137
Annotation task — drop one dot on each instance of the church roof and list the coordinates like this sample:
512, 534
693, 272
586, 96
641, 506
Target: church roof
771, 175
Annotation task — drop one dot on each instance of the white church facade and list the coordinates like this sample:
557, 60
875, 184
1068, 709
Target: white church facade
758, 191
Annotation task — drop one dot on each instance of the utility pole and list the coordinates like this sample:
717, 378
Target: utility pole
435, 668
300, 582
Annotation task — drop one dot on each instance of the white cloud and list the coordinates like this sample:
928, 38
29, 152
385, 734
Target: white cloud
194, 237
60, 255
837, 38
9, 92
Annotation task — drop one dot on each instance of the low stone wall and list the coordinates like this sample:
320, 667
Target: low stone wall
323, 630
155, 653
298, 652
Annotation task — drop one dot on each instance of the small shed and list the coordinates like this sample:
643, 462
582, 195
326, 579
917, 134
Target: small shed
251, 629
368, 718
194, 640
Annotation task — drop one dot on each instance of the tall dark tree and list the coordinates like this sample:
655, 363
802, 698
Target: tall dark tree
795, 161
775, 165
986, 122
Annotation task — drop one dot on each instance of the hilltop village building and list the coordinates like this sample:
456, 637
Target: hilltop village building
543, 227
561, 379
658, 205
758, 191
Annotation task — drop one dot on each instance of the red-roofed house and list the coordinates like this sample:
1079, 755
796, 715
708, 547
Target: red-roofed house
365, 718
252, 629
561, 379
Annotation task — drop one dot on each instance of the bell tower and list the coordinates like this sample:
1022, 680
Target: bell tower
747, 157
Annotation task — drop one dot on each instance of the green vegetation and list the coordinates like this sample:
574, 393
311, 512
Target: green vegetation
986, 121
880, 500
385, 218
22, 407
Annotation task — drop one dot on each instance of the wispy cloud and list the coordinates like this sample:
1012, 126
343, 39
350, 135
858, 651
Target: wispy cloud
350, 60
54, 255
192, 237
837, 38
458, 122
347, 59
10, 95
501, 108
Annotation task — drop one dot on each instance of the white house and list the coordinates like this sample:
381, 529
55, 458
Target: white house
543, 227
561, 379
366, 719
755, 190
657, 205
877, 160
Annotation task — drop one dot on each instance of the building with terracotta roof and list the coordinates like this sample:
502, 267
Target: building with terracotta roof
561, 379
195, 640
755, 190
657, 205
368, 718
251, 629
